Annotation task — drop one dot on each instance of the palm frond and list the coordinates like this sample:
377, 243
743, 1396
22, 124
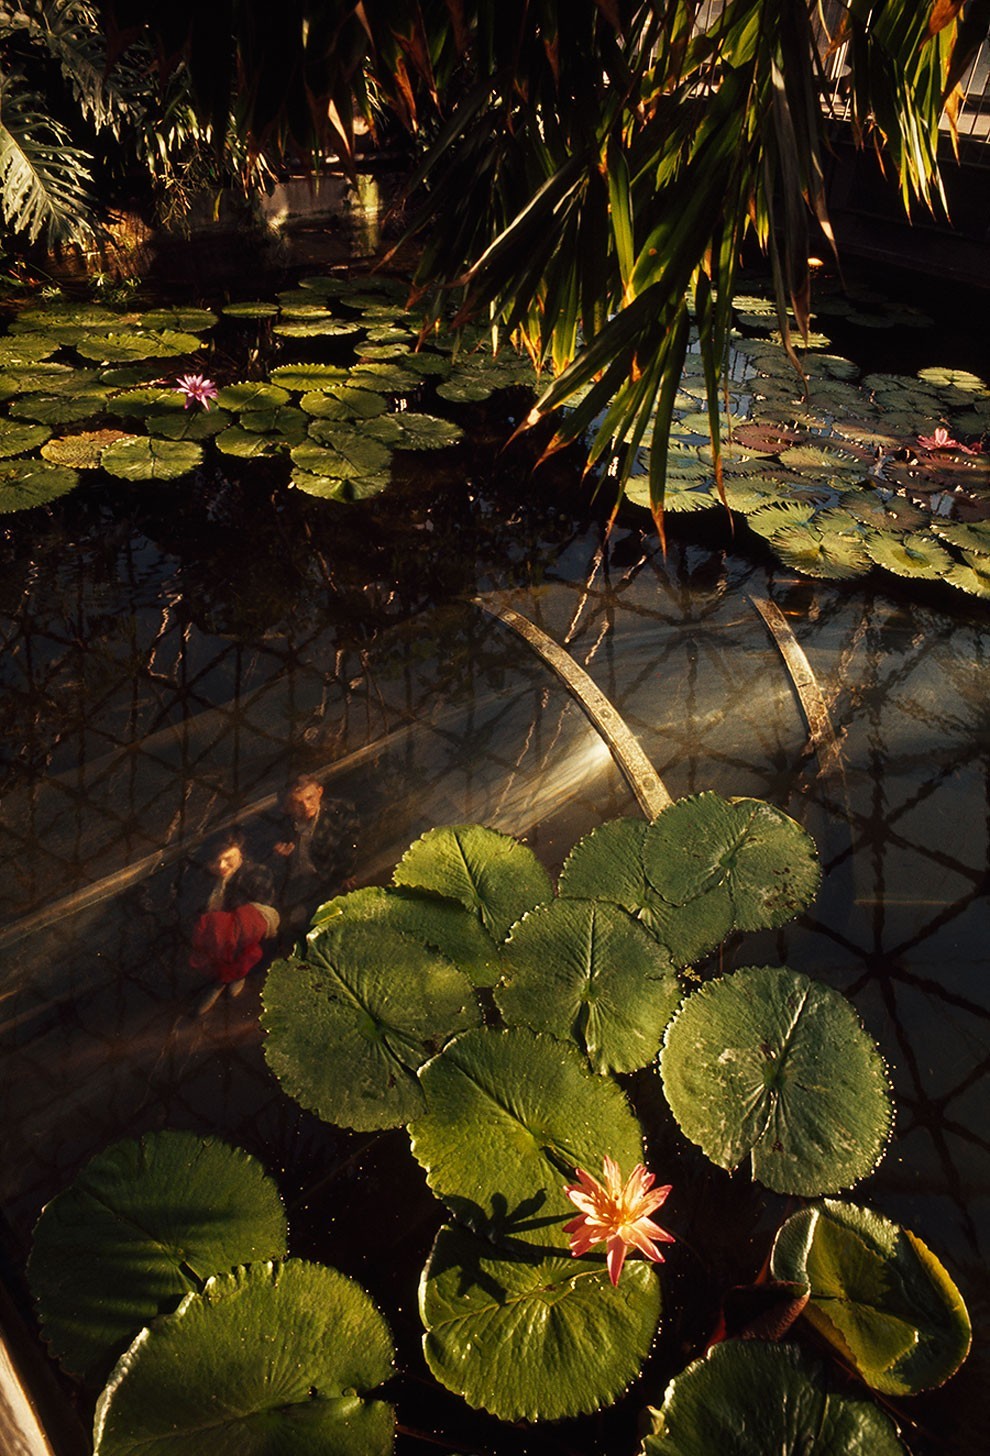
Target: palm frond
69, 32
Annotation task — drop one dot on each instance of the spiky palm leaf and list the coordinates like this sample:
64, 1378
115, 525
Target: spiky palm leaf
44, 183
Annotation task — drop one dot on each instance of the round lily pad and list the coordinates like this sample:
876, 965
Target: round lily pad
284, 420
962, 379
115, 348
326, 326
814, 552
62, 408
302, 377
145, 1222
508, 1117
245, 444
495, 877
914, 555
972, 536
250, 309
877, 1293
332, 487
533, 1338
442, 924
18, 439
588, 972
251, 394
272, 1358
181, 320
748, 1398
338, 450
147, 458
372, 1000
409, 431
83, 451
342, 402
27, 483
768, 1065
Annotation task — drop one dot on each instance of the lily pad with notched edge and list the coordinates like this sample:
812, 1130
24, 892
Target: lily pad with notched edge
495, 877
767, 1065
340, 451
529, 1336
148, 458
748, 1398
587, 972
271, 1358
83, 451
409, 431
369, 1000
915, 555
251, 394
343, 402
17, 438
878, 1294
302, 377
442, 924
145, 1222
250, 309
28, 483
508, 1117
331, 487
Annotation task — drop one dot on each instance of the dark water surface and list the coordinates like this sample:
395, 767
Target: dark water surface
172, 654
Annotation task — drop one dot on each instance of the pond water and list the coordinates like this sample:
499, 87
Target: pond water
173, 653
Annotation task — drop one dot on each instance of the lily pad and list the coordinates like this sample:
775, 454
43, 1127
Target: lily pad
588, 972
963, 379
274, 1357
442, 924
325, 326
18, 439
245, 444
338, 450
878, 1294
748, 1398
115, 348
28, 483
148, 458
973, 536
179, 320
770, 1066
343, 402
251, 394
188, 424
250, 309
302, 377
915, 555
83, 451
60, 409
825, 462
409, 431
508, 1117
145, 1222
533, 1338
771, 518
372, 1000
284, 420
815, 553
332, 487
495, 877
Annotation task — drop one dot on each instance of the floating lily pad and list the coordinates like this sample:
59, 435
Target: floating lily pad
83, 451
914, 555
960, 379
968, 579
25, 349
148, 458
147, 401
302, 377
342, 402
409, 431
326, 284
60, 409
372, 1000
179, 320
28, 483
18, 439
588, 972
337, 450
811, 551
771, 518
250, 309
145, 1222
188, 424
314, 328
973, 536
826, 462
508, 1116
331, 487
748, 1398
251, 395
877, 1293
769, 1066
284, 420
273, 1357
112, 347
533, 1338
245, 444
442, 924
495, 877
389, 377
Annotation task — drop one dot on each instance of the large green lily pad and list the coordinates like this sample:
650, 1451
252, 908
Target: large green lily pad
148, 458
28, 483
878, 1294
768, 1065
272, 1358
508, 1117
494, 876
586, 971
348, 1027
443, 924
747, 1398
145, 1222
529, 1336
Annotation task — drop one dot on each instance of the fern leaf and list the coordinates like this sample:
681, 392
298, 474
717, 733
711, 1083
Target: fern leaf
44, 183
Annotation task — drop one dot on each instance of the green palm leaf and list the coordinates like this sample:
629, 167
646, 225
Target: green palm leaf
44, 183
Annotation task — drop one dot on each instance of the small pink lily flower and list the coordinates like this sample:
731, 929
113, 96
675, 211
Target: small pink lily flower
942, 440
617, 1214
196, 387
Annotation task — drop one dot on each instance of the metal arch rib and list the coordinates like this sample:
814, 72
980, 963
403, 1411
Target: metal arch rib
640, 774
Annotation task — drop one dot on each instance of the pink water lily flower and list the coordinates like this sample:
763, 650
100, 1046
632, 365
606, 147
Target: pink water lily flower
617, 1213
942, 440
196, 388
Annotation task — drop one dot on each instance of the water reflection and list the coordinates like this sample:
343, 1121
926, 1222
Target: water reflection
133, 733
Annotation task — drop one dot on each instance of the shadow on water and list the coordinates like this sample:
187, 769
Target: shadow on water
165, 673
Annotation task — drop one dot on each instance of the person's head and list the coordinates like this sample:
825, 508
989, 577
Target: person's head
303, 797
225, 855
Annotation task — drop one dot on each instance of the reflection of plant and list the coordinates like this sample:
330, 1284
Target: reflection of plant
617, 1214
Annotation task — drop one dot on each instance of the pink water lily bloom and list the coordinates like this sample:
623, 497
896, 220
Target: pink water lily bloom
196, 388
618, 1214
942, 440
